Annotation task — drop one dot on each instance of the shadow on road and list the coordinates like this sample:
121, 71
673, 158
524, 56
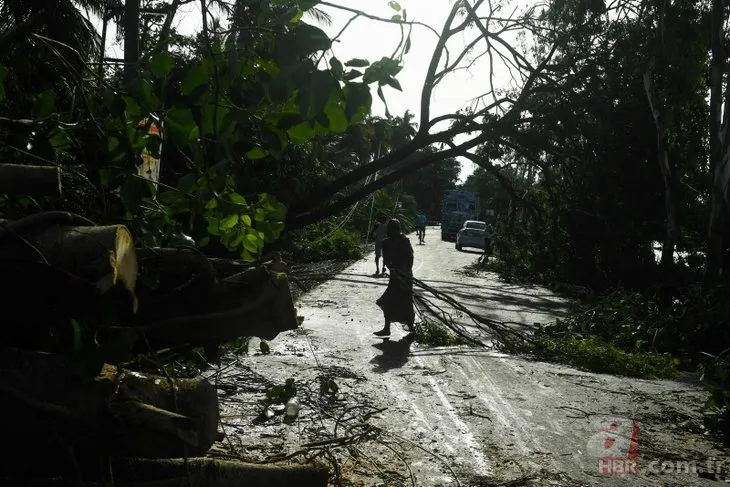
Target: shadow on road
395, 355
476, 252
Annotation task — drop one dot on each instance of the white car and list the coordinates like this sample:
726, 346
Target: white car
474, 234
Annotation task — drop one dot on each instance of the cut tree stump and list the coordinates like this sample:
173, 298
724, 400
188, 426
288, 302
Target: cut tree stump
101, 255
25, 180
69, 266
124, 413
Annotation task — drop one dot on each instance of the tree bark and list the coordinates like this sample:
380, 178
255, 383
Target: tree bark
671, 234
260, 306
718, 164
102, 255
117, 413
21, 179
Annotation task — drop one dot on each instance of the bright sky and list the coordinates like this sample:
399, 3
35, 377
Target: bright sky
372, 40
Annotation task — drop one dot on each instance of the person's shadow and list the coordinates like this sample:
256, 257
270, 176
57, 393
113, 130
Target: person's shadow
395, 355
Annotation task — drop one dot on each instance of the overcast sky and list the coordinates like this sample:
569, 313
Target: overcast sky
370, 39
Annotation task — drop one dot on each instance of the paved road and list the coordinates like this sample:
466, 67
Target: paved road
479, 416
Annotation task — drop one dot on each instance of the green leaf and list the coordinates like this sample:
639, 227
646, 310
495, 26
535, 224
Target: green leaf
337, 119
45, 104
322, 121
197, 76
3, 74
394, 5
246, 220
213, 226
237, 199
322, 87
381, 70
161, 64
352, 74
247, 257
301, 132
229, 221
393, 82
382, 97
213, 116
337, 68
78, 343
273, 139
59, 139
304, 101
289, 120
251, 243
357, 63
396, 18
147, 94
181, 126
408, 45
256, 153
259, 215
358, 101
309, 39
131, 107
297, 17
171, 197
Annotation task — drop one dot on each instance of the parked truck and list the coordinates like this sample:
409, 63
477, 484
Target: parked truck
457, 207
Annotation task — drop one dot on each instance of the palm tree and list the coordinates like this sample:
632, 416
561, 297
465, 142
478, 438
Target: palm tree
56, 23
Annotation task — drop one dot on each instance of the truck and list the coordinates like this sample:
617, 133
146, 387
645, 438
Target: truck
457, 207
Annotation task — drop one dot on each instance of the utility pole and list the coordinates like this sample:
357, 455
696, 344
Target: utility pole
130, 12
131, 39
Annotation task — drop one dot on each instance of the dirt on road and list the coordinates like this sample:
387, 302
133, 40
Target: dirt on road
386, 412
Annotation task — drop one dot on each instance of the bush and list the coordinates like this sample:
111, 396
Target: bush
323, 241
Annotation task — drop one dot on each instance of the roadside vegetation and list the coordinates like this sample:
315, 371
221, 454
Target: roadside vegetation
618, 201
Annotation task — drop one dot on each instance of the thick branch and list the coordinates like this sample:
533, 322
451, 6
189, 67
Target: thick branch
21, 179
430, 82
301, 211
303, 219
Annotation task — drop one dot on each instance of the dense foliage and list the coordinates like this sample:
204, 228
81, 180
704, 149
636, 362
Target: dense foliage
609, 189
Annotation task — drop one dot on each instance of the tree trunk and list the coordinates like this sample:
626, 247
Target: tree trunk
259, 305
21, 179
103, 255
671, 234
59, 266
117, 413
718, 166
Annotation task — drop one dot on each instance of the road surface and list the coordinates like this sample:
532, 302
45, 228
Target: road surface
462, 415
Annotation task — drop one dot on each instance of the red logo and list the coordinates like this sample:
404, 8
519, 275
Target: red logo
616, 446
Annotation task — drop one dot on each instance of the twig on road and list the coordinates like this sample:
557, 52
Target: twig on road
499, 328
437, 457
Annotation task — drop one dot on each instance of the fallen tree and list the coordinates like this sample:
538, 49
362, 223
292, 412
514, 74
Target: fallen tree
91, 299
22, 179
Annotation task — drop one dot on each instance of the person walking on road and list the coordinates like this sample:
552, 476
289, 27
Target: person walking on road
380, 232
421, 227
397, 300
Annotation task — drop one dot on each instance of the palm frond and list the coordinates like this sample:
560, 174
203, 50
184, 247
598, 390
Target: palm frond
319, 16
